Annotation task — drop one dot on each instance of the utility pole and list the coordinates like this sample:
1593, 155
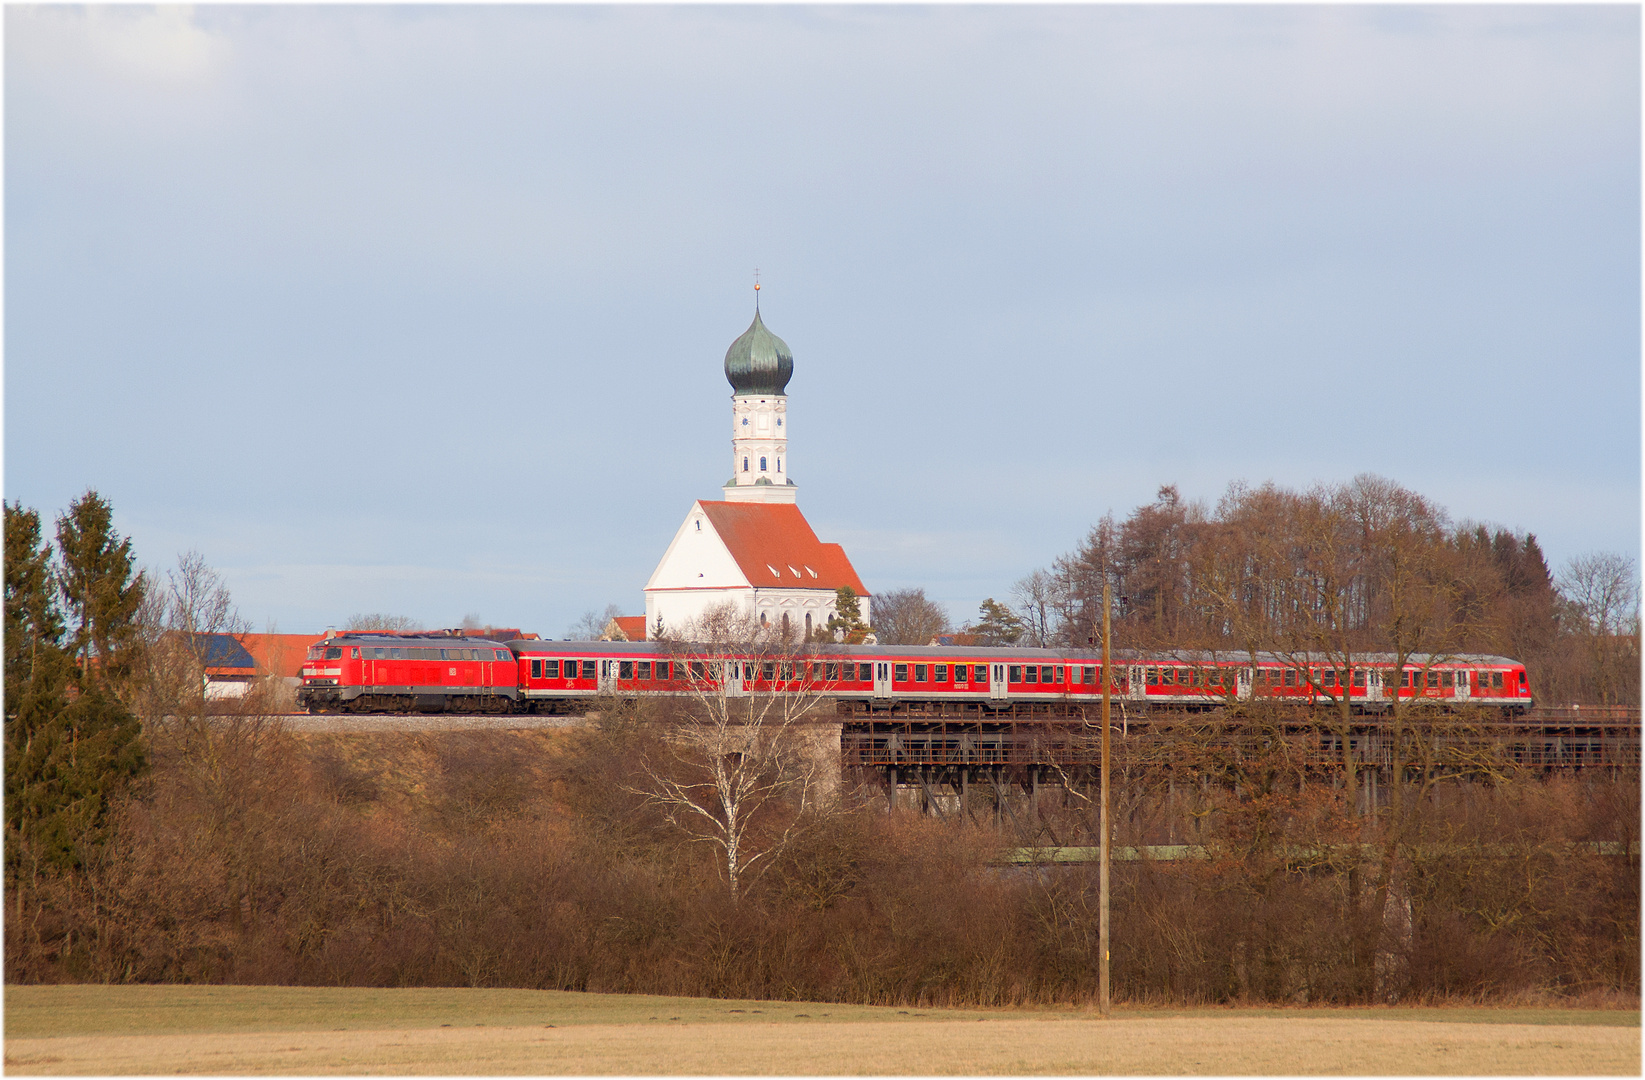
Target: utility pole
1102, 873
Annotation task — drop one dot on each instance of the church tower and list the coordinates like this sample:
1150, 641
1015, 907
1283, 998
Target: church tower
758, 365
754, 550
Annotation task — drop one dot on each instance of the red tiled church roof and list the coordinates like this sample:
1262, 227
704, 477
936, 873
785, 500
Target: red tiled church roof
776, 549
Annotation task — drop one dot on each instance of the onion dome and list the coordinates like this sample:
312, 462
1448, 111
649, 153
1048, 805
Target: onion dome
759, 362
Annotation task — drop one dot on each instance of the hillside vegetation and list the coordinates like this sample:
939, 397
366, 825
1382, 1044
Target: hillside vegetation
525, 859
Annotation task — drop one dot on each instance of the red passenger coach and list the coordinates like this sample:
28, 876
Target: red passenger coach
432, 672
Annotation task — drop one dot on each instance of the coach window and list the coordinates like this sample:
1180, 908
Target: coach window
696, 669
396, 654
1088, 675
588, 669
1447, 679
919, 672
1151, 676
1496, 680
1331, 677
865, 672
1015, 674
900, 673
1359, 678
1059, 674
1031, 674
643, 670
536, 669
1290, 676
664, 671
551, 669
625, 669
939, 672
960, 672
768, 670
1045, 674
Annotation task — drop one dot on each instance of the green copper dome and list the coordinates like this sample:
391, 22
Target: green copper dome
759, 362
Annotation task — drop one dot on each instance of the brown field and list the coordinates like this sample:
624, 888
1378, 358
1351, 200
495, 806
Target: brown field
220, 1029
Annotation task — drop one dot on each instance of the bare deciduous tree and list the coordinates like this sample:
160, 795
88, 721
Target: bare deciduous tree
906, 617
592, 623
1601, 600
735, 770
382, 622
188, 625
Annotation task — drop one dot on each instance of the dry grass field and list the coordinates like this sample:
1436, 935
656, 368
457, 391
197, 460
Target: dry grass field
68, 1030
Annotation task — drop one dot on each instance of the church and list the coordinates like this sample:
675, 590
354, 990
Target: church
753, 548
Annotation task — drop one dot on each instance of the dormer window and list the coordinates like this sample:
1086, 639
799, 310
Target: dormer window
774, 571
810, 571
793, 571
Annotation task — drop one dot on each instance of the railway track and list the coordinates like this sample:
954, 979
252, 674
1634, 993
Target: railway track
331, 723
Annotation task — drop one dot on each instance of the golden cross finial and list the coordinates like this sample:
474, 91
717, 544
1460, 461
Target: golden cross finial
756, 290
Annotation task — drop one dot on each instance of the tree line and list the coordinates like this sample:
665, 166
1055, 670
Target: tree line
1343, 570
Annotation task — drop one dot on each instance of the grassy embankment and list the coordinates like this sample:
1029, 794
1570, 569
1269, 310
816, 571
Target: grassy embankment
235, 1029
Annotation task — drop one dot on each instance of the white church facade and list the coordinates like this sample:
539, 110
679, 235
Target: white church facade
753, 549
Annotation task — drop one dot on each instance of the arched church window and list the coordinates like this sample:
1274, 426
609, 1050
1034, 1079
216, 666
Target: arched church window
808, 624
745, 464
745, 421
699, 526
779, 421
762, 618
779, 464
762, 464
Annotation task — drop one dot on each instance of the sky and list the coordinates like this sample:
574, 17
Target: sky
423, 310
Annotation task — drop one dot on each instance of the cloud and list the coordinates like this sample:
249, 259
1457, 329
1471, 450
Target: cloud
159, 46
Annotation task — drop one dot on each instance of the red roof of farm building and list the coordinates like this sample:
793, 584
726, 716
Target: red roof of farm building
775, 547
632, 626
279, 654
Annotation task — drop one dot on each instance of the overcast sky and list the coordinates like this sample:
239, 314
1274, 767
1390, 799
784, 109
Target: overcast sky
424, 310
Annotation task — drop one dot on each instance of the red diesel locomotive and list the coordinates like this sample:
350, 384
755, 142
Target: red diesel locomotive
437, 672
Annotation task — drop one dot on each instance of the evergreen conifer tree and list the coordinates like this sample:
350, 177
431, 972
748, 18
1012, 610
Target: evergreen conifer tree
102, 594
71, 745
998, 624
846, 623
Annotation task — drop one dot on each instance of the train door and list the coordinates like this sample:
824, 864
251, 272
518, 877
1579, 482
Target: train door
1463, 690
998, 688
731, 673
882, 678
1373, 685
1243, 684
608, 676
